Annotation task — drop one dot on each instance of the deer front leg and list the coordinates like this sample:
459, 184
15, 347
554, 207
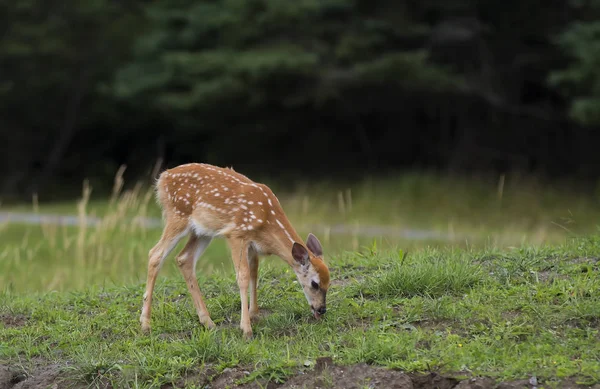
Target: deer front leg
239, 255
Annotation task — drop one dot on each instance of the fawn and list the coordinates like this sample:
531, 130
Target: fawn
204, 202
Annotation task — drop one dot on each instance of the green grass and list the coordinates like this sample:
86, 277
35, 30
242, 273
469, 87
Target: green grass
514, 294
505, 314
49, 258
472, 212
432, 276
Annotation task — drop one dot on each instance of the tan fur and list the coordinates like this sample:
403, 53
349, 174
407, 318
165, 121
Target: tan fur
323, 272
205, 202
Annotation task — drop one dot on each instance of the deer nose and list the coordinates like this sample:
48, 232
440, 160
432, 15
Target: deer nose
322, 310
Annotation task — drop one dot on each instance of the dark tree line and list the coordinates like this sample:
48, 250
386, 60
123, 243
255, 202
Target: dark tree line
323, 87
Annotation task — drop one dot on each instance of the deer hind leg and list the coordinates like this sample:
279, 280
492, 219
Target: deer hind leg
253, 269
239, 255
173, 232
186, 260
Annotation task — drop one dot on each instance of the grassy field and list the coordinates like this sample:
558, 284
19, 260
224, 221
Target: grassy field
520, 314
510, 293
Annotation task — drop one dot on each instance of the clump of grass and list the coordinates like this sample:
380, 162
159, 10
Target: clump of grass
431, 274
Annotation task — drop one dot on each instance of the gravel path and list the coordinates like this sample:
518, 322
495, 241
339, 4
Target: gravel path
337, 229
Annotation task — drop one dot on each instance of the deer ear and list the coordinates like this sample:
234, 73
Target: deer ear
314, 245
300, 254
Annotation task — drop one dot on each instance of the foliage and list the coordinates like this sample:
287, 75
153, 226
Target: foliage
206, 65
580, 81
353, 85
201, 56
55, 58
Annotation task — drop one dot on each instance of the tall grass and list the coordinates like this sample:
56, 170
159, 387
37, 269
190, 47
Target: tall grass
50, 256
108, 244
468, 212
507, 210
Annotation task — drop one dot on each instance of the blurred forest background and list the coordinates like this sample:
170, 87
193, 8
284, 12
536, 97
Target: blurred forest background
322, 88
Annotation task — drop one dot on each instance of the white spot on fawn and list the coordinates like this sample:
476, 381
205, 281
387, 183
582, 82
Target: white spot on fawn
284, 230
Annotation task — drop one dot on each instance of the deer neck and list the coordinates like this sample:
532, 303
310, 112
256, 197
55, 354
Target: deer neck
279, 239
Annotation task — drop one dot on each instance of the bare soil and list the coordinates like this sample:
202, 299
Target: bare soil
13, 320
325, 374
44, 377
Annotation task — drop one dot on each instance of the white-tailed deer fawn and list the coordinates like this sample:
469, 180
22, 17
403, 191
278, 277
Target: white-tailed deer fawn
204, 202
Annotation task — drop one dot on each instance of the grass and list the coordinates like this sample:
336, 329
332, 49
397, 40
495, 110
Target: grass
508, 210
48, 258
503, 314
513, 292
469, 212
433, 276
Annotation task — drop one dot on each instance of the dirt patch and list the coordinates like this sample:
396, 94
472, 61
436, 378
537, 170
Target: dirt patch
229, 377
351, 377
433, 381
15, 320
325, 374
262, 313
44, 377
476, 383
548, 276
341, 282
585, 260
586, 265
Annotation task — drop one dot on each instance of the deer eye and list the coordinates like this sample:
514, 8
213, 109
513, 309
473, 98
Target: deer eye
314, 285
